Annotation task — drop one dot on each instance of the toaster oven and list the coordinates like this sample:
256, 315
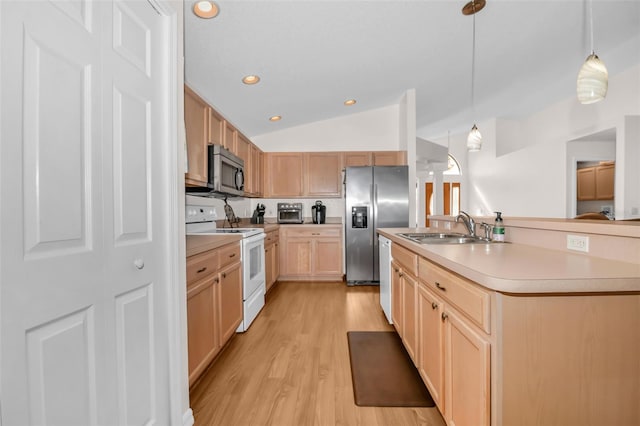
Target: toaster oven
290, 213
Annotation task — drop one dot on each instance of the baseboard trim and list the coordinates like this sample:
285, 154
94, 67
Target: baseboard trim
187, 418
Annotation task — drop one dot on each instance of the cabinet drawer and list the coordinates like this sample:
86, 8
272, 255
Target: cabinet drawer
229, 254
404, 257
201, 265
319, 231
468, 297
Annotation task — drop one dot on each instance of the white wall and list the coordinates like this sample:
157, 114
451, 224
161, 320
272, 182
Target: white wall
522, 167
375, 130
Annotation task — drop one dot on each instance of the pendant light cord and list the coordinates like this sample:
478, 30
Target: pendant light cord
591, 24
473, 60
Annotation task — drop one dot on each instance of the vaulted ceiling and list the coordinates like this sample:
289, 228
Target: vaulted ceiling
313, 55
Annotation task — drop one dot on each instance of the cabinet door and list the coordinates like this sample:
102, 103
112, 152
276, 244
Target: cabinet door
269, 254
396, 297
230, 305
324, 177
216, 127
257, 165
363, 158
243, 150
586, 184
409, 299
389, 158
297, 258
467, 370
229, 137
254, 167
284, 174
196, 118
327, 256
605, 182
430, 343
203, 331
276, 262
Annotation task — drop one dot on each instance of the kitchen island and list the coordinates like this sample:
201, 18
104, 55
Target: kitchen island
513, 334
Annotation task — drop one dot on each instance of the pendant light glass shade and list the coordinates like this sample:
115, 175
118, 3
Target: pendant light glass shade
593, 80
474, 140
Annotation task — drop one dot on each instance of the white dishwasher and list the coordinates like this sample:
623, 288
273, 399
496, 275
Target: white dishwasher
385, 276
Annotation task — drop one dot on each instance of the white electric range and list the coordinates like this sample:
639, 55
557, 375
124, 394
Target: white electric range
201, 220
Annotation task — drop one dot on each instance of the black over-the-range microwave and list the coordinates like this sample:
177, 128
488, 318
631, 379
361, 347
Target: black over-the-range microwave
226, 174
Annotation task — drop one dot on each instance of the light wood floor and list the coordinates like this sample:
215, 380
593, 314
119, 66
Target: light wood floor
292, 366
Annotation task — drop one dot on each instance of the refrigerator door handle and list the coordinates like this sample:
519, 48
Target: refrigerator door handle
374, 207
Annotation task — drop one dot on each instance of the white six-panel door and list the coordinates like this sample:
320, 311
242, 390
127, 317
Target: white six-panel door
83, 297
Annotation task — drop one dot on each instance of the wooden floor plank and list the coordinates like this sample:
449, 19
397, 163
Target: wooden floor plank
292, 366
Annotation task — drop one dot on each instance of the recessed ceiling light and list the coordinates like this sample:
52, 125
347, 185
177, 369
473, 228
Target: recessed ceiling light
275, 118
251, 79
206, 9
350, 102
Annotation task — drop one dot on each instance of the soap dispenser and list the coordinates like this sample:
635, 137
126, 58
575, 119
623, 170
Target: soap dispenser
498, 228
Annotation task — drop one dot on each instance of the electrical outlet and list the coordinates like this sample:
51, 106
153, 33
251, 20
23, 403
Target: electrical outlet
578, 243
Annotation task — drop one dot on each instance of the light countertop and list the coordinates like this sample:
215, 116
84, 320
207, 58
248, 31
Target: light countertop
521, 268
201, 243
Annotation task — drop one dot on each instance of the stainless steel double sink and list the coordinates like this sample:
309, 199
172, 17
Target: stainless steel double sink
441, 238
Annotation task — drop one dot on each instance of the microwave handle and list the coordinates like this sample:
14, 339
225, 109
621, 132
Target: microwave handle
239, 179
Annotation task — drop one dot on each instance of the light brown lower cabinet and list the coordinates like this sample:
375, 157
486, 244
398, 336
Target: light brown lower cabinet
491, 358
271, 258
214, 304
311, 252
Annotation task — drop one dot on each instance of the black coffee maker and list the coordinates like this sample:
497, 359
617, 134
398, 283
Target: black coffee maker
258, 214
318, 212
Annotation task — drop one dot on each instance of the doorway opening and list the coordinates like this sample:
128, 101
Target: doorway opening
450, 192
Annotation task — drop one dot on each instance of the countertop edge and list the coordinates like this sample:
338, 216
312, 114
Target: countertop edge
610, 284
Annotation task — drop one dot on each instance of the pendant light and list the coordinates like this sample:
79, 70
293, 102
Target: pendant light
593, 78
474, 140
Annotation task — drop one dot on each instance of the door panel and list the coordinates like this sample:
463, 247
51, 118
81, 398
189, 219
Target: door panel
83, 297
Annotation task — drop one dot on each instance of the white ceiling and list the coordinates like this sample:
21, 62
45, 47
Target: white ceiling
313, 55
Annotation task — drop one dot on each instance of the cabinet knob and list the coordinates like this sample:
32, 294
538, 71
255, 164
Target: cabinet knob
440, 286
201, 270
224, 275
444, 317
400, 274
396, 269
232, 255
434, 305
138, 263
216, 280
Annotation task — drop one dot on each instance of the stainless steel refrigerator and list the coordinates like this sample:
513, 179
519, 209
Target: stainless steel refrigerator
375, 197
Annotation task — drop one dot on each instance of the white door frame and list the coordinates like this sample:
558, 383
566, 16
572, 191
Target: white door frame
175, 244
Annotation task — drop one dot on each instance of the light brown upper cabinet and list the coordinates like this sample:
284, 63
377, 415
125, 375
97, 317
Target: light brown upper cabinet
196, 117
389, 158
596, 183
230, 136
216, 126
324, 177
283, 174
375, 158
605, 181
358, 158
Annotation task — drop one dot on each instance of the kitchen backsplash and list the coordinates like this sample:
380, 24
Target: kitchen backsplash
244, 207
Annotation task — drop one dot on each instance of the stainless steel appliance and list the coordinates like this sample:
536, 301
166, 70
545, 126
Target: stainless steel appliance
290, 213
375, 197
319, 212
200, 220
226, 174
